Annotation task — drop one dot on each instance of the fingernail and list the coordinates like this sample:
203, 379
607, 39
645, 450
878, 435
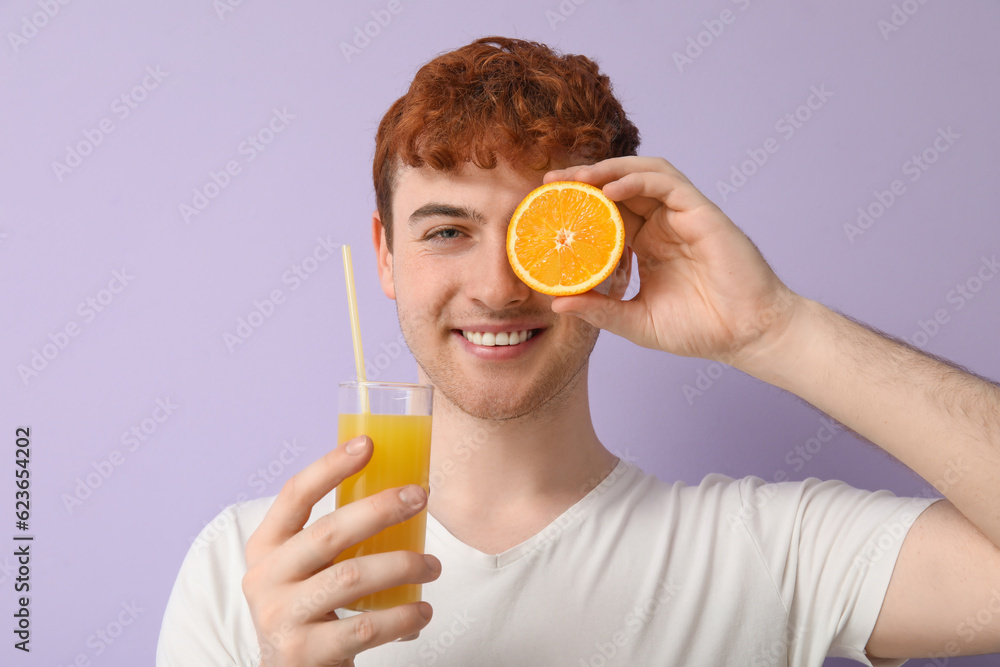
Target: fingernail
355, 446
412, 495
433, 564
425, 610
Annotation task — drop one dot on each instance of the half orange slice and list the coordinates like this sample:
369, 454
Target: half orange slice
565, 238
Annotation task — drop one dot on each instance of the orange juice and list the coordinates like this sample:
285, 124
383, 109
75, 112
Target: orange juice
401, 457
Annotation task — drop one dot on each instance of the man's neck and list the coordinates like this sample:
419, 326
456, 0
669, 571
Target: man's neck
494, 484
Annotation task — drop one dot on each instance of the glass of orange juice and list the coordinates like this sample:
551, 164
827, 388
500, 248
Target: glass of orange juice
397, 418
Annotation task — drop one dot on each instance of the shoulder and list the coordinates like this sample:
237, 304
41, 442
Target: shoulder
817, 502
643, 502
766, 509
231, 527
635, 486
234, 525
206, 620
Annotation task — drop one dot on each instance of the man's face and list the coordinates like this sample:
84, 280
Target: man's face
449, 274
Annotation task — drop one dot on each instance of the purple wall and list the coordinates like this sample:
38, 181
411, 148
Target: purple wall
160, 96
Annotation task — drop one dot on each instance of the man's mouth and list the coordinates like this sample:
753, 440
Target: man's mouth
491, 339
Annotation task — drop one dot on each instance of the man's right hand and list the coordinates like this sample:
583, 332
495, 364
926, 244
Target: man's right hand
293, 586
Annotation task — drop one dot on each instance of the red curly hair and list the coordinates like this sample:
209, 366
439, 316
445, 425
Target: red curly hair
499, 99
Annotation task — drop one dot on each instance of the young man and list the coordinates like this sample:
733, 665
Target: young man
547, 549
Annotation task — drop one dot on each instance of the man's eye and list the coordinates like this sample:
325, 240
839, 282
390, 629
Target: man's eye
445, 234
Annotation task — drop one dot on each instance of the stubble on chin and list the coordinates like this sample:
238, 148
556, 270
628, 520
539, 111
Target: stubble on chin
496, 401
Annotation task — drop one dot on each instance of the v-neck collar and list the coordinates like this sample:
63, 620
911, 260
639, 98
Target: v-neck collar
543, 538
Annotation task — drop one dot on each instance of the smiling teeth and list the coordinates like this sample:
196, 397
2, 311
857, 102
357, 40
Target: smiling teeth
490, 339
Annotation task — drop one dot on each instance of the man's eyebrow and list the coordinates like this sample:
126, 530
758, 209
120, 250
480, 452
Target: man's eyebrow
445, 211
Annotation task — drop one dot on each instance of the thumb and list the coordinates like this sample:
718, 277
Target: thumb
596, 309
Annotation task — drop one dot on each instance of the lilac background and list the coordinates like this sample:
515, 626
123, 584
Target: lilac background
162, 337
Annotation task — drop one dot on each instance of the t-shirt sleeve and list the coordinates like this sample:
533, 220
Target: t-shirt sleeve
207, 621
830, 550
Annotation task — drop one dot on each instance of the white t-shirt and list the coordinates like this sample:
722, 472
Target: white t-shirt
638, 572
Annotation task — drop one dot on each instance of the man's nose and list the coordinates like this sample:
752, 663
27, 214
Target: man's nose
496, 285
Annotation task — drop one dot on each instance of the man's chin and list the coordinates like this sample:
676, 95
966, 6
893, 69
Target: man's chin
504, 399
490, 407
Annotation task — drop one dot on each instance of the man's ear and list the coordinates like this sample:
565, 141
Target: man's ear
383, 256
618, 280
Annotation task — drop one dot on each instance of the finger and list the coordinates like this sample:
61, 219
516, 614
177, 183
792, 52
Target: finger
679, 196
367, 630
291, 509
318, 545
623, 318
340, 584
612, 169
675, 191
